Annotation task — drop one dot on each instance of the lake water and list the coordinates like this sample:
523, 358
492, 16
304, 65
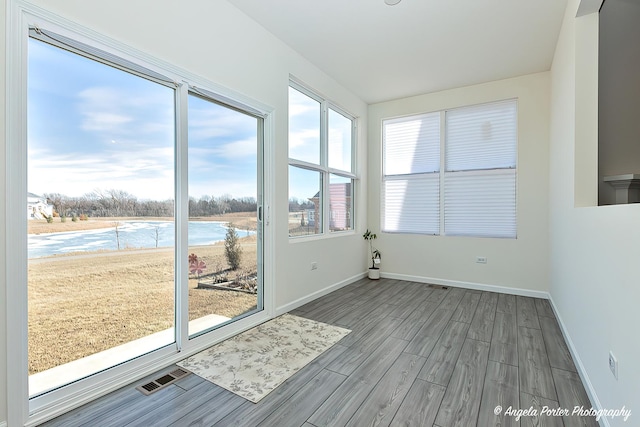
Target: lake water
132, 234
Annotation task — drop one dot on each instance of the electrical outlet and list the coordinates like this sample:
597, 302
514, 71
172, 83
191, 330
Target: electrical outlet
481, 259
314, 265
613, 365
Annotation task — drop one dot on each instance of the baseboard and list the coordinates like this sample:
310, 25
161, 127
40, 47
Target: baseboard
582, 372
302, 301
468, 285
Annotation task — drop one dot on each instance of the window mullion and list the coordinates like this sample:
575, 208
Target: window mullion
342, 173
443, 170
306, 165
324, 162
182, 218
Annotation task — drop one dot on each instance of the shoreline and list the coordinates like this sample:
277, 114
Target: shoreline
241, 220
246, 241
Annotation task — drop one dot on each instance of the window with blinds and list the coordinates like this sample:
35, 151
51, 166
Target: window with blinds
412, 174
452, 172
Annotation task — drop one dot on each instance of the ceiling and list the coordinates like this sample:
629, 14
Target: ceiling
383, 52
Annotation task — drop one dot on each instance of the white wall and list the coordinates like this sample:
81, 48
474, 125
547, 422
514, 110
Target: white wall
618, 93
594, 251
216, 41
516, 263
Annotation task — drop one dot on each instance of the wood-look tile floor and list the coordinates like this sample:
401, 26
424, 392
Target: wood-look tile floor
417, 356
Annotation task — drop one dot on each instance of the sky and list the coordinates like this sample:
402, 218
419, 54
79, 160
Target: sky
304, 143
94, 127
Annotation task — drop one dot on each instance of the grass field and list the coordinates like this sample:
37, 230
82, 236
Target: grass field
86, 303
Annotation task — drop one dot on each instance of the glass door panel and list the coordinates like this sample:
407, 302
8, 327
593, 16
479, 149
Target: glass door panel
224, 237
101, 216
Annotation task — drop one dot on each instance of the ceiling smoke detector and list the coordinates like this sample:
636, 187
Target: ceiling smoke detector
392, 2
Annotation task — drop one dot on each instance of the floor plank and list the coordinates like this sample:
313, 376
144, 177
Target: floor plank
418, 298
571, 393
301, 405
526, 312
529, 401
412, 324
500, 389
361, 326
201, 413
171, 411
442, 360
349, 360
384, 400
506, 304
543, 307
461, 401
438, 294
482, 324
428, 335
557, 350
452, 300
420, 406
533, 364
504, 342
467, 308
345, 401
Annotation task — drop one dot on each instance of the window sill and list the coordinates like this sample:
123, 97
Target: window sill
314, 237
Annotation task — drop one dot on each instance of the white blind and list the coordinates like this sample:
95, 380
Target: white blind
476, 194
412, 144
480, 177
411, 179
480, 203
481, 136
411, 204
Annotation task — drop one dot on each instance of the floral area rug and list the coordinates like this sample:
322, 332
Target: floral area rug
255, 362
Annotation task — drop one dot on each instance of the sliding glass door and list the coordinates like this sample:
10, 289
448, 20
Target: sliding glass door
105, 180
224, 241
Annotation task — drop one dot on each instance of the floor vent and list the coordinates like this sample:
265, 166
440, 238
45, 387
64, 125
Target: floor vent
438, 287
163, 381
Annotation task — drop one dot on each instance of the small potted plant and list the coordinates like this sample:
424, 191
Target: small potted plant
376, 256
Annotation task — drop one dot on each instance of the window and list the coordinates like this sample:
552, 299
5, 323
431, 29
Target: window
321, 170
452, 172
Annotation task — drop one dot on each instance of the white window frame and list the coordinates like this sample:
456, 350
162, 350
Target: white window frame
323, 168
443, 173
24, 410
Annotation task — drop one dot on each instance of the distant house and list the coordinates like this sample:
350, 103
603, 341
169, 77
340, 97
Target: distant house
339, 208
311, 216
38, 207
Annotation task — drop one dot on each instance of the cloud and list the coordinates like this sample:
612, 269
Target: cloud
304, 137
237, 149
95, 121
211, 121
302, 105
147, 174
114, 111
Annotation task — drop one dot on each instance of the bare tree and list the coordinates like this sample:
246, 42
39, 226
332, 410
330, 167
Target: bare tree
116, 224
157, 235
